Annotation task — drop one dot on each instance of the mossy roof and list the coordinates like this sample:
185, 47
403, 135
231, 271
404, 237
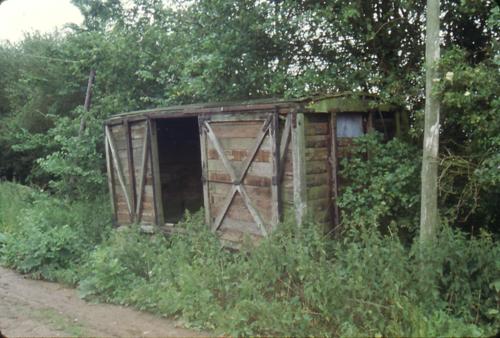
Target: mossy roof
341, 102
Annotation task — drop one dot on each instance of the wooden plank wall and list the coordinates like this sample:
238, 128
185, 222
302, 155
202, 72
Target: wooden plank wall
118, 132
318, 174
237, 138
142, 171
132, 138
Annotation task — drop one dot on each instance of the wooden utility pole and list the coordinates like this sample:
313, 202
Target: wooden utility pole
88, 98
429, 216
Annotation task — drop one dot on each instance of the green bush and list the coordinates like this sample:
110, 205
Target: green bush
297, 282
12, 197
50, 237
383, 190
300, 283
465, 273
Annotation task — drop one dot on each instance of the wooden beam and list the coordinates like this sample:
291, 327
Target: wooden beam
285, 140
225, 208
397, 119
142, 174
111, 180
118, 167
131, 170
204, 172
275, 148
334, 171
260, 138
251, 208
213, 138
299, 168
155, 165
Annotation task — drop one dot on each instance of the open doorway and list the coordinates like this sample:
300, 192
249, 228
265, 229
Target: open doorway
180, 166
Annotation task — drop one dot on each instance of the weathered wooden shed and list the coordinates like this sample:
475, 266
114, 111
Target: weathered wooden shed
246, 163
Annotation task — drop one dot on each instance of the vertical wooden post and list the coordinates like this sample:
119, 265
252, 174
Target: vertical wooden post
204, 171
397, 119
299, 168
334, 171
142, 174
155, 166
369, 128
131, 169
111, 178
276, 165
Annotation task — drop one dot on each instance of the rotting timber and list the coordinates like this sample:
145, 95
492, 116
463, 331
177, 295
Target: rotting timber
246, 163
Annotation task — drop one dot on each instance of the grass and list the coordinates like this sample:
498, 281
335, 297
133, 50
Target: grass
59, 321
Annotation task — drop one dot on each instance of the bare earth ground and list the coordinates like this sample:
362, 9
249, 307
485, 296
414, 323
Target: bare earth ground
37, 308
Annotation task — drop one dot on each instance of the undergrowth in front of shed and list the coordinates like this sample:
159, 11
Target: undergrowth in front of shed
180, 166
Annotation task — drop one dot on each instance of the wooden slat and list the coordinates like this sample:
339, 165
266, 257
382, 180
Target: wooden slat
239, 155
314, 180
118, 168
236, 130
243, 117
317, 154
142, 175
316, 167
317, 141
256, 168
316, 128
318, 192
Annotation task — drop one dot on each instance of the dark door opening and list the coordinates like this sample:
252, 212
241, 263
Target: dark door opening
180, 166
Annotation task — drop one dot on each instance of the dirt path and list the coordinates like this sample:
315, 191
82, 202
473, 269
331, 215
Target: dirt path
37, 308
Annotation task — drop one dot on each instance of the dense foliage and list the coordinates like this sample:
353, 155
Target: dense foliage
388, 182
298, 282
147, 54
47, 237
373, 279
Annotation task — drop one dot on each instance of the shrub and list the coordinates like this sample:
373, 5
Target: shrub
298, 282
12, 198
383, 190
51, 236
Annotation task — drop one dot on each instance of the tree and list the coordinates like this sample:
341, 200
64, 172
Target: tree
429, 216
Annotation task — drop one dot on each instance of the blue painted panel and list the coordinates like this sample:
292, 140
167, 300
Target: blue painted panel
349, 125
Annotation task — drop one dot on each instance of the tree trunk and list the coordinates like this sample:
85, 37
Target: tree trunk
429, 217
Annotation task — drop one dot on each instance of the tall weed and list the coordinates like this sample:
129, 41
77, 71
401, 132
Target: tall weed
297, 282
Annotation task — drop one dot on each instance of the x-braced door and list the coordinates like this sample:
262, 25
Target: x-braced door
240, 169
129, 165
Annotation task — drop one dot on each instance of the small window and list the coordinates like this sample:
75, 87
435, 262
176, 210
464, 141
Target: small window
349, 125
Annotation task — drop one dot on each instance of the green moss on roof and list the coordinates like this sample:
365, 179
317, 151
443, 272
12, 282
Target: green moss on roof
341, 102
